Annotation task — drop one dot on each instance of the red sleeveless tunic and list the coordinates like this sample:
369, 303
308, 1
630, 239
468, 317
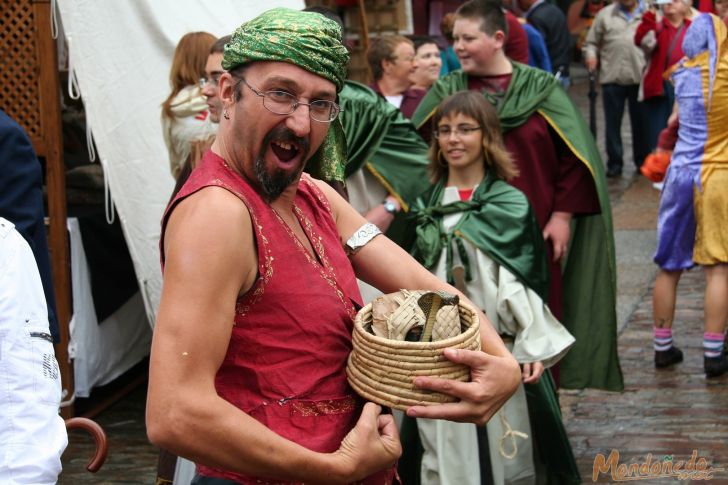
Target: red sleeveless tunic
285, 364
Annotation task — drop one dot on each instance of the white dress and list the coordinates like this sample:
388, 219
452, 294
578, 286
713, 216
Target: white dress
514, 310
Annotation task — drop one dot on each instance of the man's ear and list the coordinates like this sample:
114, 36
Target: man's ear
386, 65
226, 85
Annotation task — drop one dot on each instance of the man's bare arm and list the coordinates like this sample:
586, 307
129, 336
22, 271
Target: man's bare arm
210, 260
495, 373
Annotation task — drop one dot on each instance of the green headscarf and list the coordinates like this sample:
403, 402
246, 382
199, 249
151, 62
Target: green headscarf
307, 40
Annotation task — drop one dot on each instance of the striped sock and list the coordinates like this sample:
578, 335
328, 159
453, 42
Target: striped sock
663, 339
713, 344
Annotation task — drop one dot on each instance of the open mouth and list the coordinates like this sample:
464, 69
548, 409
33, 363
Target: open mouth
285, 151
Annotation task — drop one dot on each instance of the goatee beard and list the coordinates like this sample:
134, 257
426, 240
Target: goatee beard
274, 182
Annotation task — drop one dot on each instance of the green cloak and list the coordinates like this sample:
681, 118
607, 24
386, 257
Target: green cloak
498, 220
380, 139
590, 271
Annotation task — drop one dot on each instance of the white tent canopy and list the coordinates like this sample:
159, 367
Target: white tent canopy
120, 53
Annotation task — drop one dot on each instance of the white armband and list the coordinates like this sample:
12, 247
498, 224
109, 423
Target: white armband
361, 238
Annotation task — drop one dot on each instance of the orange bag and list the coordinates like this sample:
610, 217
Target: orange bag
655, 165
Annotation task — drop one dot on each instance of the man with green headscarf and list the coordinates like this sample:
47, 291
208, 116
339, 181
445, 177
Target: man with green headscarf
247, 373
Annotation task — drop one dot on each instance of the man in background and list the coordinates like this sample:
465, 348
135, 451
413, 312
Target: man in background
32, 434
610, 47
391, 60
550, 21
213, 71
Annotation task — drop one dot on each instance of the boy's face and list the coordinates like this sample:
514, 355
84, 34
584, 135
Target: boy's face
475, 49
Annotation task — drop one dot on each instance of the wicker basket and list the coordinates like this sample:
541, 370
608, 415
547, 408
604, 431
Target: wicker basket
382, 370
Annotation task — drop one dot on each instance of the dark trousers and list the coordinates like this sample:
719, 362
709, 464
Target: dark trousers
658, 110
614, 97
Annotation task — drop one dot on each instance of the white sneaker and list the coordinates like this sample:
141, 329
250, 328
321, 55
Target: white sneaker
658, 185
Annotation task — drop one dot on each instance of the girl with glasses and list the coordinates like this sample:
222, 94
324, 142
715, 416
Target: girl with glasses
480, 233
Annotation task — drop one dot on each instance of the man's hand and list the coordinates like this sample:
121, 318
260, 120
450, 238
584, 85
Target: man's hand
590, 63
532, 372
558, 231
492, 381
372, 445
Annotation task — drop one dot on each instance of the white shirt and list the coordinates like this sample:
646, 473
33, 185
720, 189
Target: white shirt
32, 434
395, 100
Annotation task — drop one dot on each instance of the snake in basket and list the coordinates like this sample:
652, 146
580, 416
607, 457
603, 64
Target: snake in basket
416, 316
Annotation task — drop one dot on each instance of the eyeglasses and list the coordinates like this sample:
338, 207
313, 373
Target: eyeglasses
283, 103
213, 80
460, 130
410, 58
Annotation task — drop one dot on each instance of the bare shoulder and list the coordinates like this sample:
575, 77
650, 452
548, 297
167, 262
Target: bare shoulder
207, 234
207, 211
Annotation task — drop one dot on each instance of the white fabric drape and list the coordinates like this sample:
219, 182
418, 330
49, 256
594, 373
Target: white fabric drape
101, 351
120, 53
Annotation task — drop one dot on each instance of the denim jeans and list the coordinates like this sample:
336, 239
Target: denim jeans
614, 97
658, 110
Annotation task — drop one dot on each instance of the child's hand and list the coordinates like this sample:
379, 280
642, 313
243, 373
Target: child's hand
532, 372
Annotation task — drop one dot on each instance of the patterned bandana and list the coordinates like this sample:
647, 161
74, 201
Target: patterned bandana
306, 39
310, 41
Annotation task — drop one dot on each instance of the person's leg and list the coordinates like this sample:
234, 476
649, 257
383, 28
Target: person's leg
716, 298
663, 298
613, 101
663, 313
639, 123
657, 111
716, 313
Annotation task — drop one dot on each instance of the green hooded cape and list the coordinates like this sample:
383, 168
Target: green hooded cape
380, 139
498, 220
590, 269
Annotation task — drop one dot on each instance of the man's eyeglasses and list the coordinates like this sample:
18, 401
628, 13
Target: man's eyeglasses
460, 130
284, 103
212, 80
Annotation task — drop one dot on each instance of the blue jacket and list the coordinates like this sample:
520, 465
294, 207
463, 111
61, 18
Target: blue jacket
538, 55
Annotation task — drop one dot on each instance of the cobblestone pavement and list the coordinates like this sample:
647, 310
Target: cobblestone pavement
131, 459
666, 413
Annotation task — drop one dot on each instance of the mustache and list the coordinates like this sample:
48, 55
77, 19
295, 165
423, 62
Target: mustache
284, 134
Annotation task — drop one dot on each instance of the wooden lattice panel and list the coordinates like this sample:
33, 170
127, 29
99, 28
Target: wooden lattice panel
19, 91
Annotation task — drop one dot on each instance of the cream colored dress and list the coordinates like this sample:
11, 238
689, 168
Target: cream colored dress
451, 449
365, 193
191, 124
